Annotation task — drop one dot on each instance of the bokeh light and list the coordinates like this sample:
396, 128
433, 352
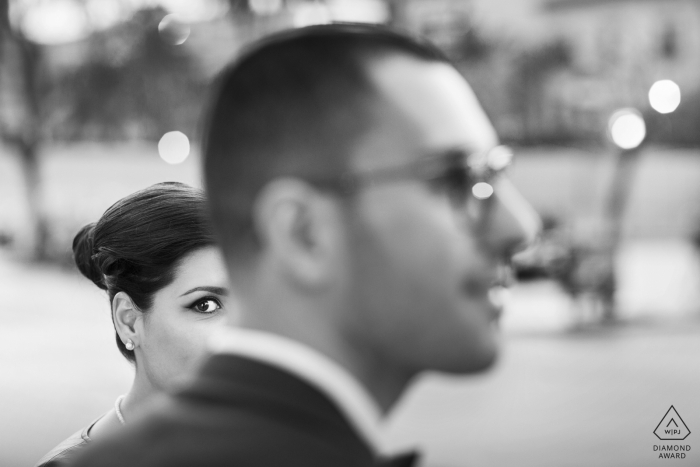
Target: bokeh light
500, 157
310, 13
627, 128
482, 190
265, 7
359, 11
174, 147
55, 22
190, 11
104, 14
665, 96
173, 30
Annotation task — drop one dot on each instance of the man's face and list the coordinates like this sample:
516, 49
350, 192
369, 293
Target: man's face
421, 277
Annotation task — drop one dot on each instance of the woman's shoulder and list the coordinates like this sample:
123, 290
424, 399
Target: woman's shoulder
67, 449
61, 454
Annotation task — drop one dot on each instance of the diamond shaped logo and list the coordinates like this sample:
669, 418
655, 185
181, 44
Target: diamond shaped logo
672, 426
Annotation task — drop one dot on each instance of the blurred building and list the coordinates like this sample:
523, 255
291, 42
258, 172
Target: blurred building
617, 50
444, 22
545, 70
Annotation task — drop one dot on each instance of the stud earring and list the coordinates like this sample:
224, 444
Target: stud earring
129, 344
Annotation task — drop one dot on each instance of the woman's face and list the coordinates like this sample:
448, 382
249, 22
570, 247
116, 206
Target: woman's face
173, 334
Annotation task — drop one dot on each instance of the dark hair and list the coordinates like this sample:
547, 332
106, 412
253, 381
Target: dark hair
138, 242
296, 103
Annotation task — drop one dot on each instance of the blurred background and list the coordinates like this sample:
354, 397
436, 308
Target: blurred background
600, 100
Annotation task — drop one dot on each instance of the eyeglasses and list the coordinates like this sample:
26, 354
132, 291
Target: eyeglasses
460, 174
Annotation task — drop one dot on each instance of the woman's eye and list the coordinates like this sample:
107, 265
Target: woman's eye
207, 305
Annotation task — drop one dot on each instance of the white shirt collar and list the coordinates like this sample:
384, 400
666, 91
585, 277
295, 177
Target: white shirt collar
312, 366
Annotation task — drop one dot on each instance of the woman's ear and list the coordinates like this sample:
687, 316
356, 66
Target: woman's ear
126, 315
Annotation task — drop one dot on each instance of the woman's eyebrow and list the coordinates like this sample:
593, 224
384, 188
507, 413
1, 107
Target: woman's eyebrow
206, 288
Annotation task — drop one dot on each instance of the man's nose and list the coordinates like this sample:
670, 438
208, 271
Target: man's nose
511, 223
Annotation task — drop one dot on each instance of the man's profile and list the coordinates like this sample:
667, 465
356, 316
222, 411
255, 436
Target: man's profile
356, 188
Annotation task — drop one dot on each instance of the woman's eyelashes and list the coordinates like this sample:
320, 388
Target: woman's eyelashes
205, 305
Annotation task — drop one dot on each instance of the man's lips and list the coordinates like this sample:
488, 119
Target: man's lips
493, 287
477, 286
500, 277
499, 296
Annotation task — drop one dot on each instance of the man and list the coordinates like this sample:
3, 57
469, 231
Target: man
355, 185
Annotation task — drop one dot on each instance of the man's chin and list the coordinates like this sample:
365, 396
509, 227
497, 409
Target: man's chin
473, 361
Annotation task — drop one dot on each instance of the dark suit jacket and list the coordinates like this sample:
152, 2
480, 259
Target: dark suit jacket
238, 412
62, 454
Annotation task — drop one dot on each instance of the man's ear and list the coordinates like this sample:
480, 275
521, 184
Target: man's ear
126, 317
298, 226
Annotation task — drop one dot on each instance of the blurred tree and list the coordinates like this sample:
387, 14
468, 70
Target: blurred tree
20, 120
472, 45
250, 24
126, 82
397, 12
531, 68
239, 7
131, 84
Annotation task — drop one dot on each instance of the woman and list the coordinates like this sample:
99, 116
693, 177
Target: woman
153, 253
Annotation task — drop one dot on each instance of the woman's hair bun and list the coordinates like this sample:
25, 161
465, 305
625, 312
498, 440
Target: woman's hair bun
83, 255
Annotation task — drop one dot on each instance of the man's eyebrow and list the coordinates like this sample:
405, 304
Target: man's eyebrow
449, 150
206, 288
447, 154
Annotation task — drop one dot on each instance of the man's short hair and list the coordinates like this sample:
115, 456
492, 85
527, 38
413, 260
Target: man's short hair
294, 104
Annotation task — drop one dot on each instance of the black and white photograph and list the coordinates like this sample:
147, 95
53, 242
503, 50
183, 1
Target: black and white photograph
349, 233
